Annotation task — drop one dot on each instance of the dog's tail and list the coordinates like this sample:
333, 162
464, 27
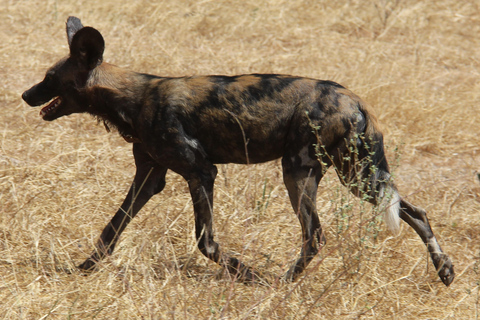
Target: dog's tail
380, 186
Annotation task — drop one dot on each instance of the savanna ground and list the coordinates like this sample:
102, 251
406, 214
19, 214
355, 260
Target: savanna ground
416, 62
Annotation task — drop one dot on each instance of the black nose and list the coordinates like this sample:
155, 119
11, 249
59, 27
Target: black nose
25, 96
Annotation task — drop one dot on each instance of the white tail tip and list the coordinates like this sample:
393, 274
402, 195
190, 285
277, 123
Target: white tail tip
392, 209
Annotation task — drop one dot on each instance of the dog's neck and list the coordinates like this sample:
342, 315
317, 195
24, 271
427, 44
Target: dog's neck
113, 96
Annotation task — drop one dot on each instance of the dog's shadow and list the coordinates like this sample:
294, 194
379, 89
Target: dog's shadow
190, 267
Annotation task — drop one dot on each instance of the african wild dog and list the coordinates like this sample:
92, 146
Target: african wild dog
189, 124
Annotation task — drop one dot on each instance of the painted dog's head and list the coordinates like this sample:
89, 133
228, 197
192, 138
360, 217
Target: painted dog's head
64, 83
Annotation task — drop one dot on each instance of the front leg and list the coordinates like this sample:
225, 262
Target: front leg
201, 184
149, 180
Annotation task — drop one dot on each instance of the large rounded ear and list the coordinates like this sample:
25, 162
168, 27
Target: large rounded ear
87, 47
73, 25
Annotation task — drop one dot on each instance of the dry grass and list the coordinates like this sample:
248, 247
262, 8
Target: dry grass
416, 62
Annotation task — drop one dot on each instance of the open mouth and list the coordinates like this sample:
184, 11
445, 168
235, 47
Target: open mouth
51, 108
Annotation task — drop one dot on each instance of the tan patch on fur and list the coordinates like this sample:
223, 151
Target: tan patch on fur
187, 92
110, 76
200, 88
245, 81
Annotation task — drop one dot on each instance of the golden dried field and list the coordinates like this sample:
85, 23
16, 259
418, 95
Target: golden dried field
416, 62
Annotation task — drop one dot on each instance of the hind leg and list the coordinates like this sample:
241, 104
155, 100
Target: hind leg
301, 177
417, 219
382, 192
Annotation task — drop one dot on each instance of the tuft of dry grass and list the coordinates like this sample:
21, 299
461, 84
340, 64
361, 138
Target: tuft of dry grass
416, 62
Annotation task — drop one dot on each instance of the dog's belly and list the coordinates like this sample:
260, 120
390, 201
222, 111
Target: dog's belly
244, 146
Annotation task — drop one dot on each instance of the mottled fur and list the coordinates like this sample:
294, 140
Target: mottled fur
189, 124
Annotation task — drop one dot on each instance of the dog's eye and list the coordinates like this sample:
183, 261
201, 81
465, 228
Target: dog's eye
48, 77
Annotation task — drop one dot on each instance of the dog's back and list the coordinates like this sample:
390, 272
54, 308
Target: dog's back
249, 118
